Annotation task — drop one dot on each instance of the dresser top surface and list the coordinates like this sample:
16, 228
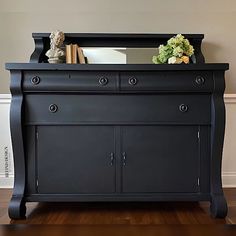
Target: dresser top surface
116, 67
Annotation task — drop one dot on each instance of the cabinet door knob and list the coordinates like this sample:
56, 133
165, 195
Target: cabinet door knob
53, 108
200, 80
35, 80
133, 81
183, 108
124, 158
111, 158
103, 81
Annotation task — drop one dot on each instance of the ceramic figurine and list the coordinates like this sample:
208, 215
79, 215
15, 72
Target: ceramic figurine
55, 53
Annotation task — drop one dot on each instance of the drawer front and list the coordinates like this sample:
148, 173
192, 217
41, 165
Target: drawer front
178, 81
117, 109
70, 80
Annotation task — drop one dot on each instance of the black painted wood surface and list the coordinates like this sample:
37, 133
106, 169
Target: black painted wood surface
117, 132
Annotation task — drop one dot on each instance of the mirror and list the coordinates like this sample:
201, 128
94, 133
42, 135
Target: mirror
119, 55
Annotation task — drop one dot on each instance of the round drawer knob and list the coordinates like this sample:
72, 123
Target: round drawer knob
35, 80
183, 108
53, 108
133, 81
103, 81
200, 80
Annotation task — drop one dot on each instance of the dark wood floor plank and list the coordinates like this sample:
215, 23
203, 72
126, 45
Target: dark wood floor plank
117, 230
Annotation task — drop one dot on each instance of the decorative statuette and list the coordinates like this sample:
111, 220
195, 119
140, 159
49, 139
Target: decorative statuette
55, 53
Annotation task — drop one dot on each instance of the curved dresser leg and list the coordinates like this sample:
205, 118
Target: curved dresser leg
218, 206
17, 208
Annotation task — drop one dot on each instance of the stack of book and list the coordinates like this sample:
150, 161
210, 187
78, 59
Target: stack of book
74, 54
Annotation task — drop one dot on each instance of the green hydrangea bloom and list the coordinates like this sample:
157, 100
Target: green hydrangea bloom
176, 41
176, 46
165, 53
178, 51
155, 60
190, 51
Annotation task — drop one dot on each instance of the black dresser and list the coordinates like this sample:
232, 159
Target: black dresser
117, 132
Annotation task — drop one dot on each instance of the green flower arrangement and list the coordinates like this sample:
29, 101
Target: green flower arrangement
176, 51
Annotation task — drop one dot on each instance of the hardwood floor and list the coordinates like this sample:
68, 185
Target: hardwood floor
118, 213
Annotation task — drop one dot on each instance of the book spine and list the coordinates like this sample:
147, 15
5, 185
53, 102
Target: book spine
81, 55
69, 53
74, 54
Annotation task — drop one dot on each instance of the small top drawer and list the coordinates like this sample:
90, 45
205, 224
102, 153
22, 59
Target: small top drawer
70, 80
179, 81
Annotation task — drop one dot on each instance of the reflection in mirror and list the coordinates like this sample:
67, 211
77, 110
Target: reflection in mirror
119, 55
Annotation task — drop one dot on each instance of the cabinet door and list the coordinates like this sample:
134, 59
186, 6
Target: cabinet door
75, 159
160, 159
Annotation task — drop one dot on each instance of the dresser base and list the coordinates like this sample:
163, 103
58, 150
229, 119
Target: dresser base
218, 207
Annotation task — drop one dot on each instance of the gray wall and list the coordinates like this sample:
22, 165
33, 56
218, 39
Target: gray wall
215, 18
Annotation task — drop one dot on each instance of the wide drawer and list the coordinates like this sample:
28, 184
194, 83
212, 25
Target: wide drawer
70, 80
198, 81
117, 109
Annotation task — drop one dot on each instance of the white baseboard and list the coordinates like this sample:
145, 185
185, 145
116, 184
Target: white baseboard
229, 162
6, 157
6, 182
229, 179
